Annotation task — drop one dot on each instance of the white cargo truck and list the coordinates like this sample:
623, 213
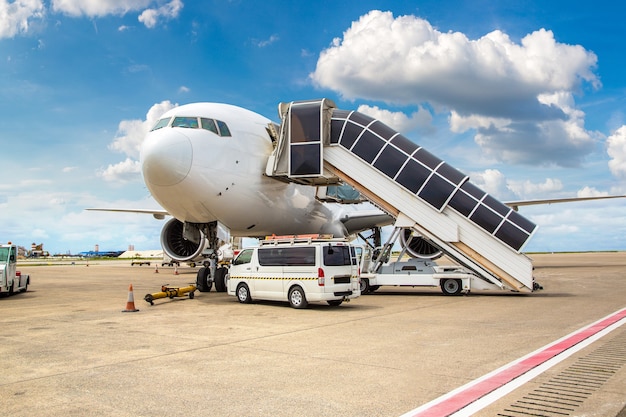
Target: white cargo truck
11, 280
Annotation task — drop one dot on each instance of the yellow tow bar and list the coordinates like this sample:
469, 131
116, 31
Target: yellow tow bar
171, 292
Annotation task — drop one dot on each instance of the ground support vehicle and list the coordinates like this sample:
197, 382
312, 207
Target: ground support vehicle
437, 204
453, 280
378, 269
169, 261
11, 280
171, 292
298, 269
139, 262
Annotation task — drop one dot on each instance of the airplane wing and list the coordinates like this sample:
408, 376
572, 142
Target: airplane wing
516, 204
362, 220
157, 214
359, 221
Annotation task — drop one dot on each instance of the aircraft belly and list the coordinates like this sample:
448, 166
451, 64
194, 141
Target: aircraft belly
278, 208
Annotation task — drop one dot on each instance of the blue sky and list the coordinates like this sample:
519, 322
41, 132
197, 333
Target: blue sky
528, 98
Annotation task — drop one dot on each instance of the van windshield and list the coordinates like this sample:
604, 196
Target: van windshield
244, 257
337, 255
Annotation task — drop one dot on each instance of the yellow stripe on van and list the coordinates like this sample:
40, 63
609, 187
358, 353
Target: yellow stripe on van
275, 278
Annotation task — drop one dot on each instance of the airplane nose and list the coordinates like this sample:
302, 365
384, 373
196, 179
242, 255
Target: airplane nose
166, 157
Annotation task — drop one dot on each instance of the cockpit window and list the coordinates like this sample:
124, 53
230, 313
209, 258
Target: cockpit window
209, 124
224, 130
188, 122
216, 126
161, 123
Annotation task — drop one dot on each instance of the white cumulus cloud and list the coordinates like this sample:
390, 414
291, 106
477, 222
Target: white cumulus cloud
495, 183
168, 11
591, 192
128, 140
529, 189
616, 148
131, 133
16, 16
97, 8
516, 95
151, 13
124, 171
420, 120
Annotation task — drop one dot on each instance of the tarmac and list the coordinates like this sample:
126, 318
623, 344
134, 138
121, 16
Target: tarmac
67, 348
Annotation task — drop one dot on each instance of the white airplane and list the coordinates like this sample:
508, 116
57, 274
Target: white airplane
205, 164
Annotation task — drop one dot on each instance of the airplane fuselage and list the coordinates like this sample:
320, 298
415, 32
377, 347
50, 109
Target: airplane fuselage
200, 174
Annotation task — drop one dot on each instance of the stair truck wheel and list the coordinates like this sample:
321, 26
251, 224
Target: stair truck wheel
365, 285
451, 286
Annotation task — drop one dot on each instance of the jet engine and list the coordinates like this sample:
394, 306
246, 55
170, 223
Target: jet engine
418, 246
182, 242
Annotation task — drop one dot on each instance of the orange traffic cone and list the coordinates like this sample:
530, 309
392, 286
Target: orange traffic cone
156, 268
175, 269
130, 304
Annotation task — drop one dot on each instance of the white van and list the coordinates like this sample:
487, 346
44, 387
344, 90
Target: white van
297, 270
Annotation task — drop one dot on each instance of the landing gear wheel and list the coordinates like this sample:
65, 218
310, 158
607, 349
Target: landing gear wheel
297, 299
203, 280
451, 286
220, 280
243, 294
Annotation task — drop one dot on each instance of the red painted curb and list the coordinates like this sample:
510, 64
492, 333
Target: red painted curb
474, 392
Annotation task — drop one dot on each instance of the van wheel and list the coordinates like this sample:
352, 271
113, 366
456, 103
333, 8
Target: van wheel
202, 280
334, 303
297, 299
243, 294
451, 286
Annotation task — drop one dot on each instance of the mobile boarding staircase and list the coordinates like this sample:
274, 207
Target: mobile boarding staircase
320, 145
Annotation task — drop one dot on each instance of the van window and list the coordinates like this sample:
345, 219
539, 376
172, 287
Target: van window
244, 257
292, 256
337, 255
